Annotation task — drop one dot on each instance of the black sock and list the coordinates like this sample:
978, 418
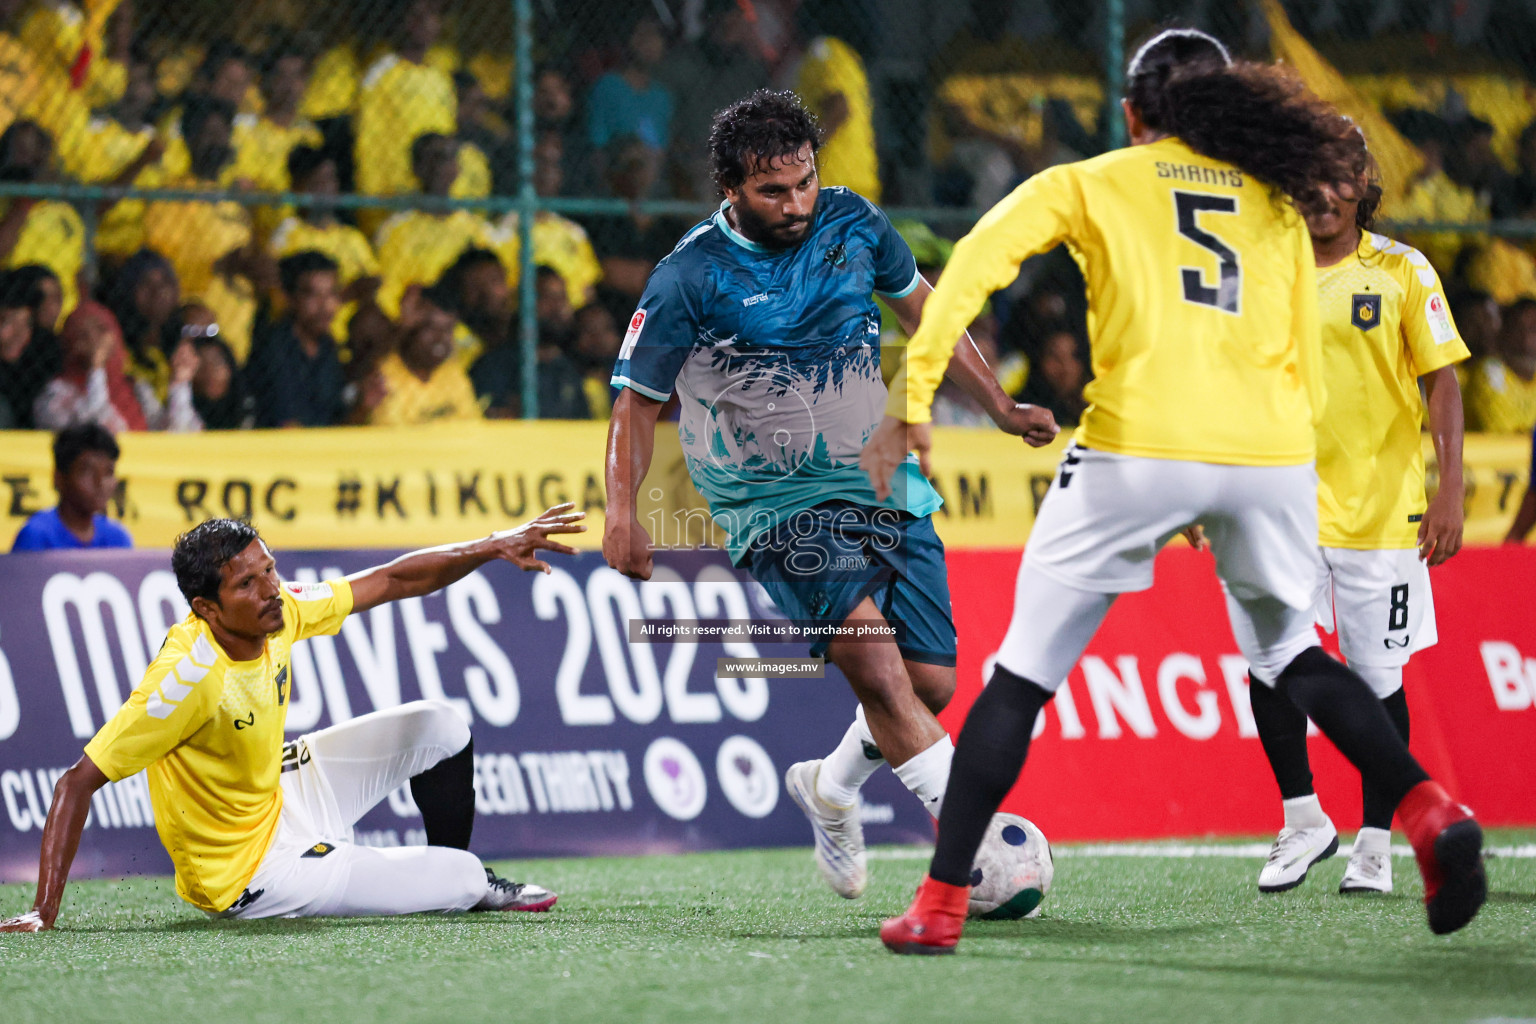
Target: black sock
1349, 714
1283, 732
446, 795
1378, 805
988, 758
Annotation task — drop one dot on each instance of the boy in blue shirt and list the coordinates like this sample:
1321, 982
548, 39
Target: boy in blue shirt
763, 320
85, 475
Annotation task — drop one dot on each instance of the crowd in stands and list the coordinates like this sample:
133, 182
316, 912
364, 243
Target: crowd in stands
213, 314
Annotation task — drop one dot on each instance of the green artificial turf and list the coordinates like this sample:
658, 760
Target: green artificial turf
754, 936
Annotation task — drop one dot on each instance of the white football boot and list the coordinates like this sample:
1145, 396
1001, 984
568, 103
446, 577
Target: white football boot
1294, 853
1370, 863
839, 833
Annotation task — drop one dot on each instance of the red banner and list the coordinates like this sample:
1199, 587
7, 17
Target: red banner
1152, 734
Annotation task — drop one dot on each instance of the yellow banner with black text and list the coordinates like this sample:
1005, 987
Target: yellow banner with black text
391, 488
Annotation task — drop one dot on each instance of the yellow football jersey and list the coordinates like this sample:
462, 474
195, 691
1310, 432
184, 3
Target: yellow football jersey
55, 31
474, 180
53, 235
1499, 400
1385, 325
559, 243
399, 101
1202, 305
333, 84
447, 395
261, 159
848, 156
416, 247
210, 732
194, 236
341, 242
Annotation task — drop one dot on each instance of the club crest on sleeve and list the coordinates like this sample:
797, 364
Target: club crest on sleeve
1365, 311
318, 850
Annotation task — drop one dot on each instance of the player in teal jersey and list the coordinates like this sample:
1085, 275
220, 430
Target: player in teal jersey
764, 322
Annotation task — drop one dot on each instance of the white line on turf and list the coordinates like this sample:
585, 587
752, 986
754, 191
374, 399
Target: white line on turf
1525, 851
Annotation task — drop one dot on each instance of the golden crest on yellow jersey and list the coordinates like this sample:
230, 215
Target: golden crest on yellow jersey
1365, 311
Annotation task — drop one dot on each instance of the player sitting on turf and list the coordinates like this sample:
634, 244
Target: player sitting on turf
1208, 388
764, 319
259, 828
1386, 325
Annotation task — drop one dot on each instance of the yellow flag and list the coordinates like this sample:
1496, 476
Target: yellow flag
1397, 158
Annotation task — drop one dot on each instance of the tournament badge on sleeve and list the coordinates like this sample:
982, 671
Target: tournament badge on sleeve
1365, 311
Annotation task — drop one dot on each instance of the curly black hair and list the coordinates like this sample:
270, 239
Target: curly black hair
200, 555
754, 132
1260, 118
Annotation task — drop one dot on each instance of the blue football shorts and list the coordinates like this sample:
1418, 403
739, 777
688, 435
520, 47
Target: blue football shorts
821, 562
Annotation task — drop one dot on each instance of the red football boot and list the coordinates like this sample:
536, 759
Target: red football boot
932, 924
1448, 844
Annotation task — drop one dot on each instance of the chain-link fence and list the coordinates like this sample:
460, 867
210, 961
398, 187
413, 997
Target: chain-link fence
391, 211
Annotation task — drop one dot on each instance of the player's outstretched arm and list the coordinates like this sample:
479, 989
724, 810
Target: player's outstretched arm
968, 369
631, 442
61, 838
422, 572
1440, 529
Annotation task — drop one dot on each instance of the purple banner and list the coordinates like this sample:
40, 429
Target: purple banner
584, 742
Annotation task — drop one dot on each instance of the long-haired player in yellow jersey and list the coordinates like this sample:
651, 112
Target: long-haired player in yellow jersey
1386, 326
1208, 387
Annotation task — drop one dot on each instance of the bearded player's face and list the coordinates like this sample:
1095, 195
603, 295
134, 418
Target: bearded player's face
775, 205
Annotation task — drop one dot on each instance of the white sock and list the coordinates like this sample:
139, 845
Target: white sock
1304, 812
849, 765
1373, 840
927, 774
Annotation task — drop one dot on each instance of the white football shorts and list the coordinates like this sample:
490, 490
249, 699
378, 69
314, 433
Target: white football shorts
1105, 518
1379, 602
330, 779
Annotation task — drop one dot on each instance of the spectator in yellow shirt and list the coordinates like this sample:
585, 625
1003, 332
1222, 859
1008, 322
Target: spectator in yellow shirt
1434, 195
1501, 395
487, 160
315, 227
402, 98
558, 242
421, 382
44, 231
226, 73
834, 85
55, 31
121, 147
262, 143
211, 244
416, 246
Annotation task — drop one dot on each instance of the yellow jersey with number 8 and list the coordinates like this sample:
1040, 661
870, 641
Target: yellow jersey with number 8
210, 732
1385, 325
1202, 305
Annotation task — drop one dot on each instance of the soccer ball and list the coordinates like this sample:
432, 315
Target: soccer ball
1012, 872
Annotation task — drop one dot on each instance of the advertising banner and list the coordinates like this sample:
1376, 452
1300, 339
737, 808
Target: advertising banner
584, 742
381, 487
1152, 735
591, 741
